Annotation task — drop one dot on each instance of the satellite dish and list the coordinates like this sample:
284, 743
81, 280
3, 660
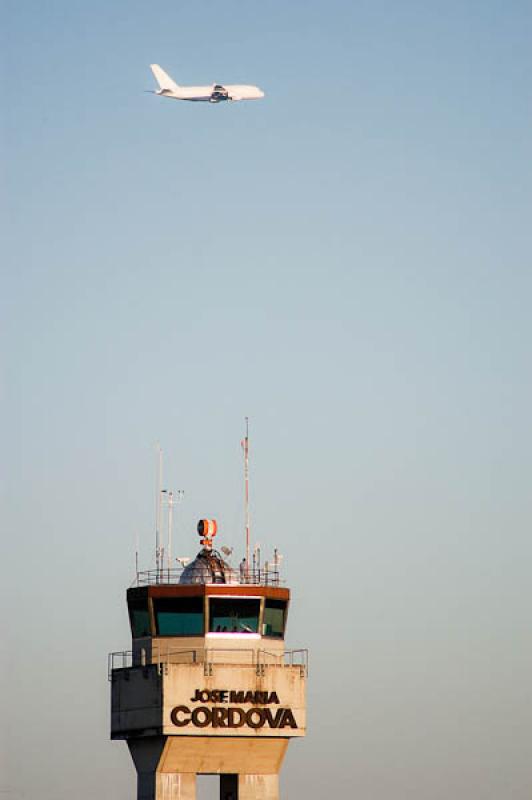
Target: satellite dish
227, 551
183, 561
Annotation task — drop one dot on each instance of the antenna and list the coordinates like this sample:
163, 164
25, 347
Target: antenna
168, 505
158, 513
170, 520
256, 561
245, 448
173, 499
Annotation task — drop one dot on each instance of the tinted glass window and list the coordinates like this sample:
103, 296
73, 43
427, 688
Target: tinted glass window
233, 615
139, 616
140, 622
179, 616
274, 617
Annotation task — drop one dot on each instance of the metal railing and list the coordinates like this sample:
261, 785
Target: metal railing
209, 657
255, 577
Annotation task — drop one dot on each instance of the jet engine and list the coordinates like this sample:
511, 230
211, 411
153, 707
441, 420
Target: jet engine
219, 93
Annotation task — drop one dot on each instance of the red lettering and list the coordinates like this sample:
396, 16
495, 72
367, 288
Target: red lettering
219, 718
180, 723
204, 720
236, 717
288, 720
259, 714
273, 721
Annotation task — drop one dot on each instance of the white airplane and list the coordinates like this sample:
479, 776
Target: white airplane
207, 94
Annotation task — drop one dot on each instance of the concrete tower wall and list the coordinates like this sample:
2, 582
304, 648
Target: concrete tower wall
188, 700
208, 687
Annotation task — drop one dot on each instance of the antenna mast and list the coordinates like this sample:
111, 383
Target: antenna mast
173, 499
158, 514
170, 519
245, 448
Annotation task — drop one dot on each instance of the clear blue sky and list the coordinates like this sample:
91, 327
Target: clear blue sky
348, 262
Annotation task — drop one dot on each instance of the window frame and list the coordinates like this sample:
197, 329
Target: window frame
209, 597
130, 611
155, 627
285, 617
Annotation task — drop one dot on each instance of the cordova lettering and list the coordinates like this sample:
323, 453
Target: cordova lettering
232, 717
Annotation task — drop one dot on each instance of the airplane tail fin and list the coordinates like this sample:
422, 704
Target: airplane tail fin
164, 80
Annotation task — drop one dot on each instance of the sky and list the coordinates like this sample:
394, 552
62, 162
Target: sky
346, 262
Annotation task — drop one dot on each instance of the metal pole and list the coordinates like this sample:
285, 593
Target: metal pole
158, 515
245, 445
137, 548
170, 516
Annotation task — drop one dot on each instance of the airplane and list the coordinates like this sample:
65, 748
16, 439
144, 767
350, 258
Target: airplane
206, 94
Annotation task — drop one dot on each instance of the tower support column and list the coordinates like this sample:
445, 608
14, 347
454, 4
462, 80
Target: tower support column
228, 787
153, 784
175, 786
166, 786
258, 787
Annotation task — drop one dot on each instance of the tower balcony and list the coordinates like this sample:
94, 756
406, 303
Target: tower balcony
195, 573
166, 652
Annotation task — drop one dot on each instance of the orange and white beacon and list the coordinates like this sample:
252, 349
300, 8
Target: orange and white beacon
208, 686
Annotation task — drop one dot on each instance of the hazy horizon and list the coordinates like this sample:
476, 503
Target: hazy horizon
348, 263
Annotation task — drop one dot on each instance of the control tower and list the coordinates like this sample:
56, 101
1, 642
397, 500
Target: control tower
208, 687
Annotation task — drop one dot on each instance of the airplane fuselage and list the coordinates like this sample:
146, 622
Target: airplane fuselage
213, 94
216, 93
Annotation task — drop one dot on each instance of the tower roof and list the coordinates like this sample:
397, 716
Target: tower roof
208, 567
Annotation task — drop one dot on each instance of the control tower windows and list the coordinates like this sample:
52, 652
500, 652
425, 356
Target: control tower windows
233, 615
274, 618
178, 616
139, 616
